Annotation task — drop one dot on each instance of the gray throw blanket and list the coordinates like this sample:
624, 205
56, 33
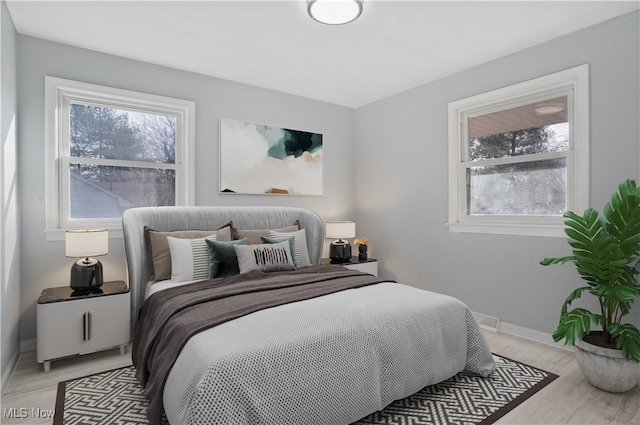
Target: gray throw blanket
170, 317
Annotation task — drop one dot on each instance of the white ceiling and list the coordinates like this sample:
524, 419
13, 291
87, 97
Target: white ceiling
394, 46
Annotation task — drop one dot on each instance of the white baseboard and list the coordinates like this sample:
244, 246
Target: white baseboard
494, 324
531, 334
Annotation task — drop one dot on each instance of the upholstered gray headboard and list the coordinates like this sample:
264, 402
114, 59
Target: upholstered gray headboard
204, 218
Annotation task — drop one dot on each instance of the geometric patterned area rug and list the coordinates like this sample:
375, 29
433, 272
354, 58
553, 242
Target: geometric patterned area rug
116, 397
467, 398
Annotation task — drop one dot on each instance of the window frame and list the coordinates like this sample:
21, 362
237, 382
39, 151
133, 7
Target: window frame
59, 95
575, 82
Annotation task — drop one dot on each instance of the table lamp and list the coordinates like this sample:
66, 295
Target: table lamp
86, 273
340, 250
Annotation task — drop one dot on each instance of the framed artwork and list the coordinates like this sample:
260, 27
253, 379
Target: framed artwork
258, 159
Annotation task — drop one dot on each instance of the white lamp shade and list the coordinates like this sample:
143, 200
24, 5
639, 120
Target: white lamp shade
340, 229
86, 243
334, 12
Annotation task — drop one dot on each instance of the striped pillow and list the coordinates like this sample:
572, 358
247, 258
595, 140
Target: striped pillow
266, 257
189, 258
292, 245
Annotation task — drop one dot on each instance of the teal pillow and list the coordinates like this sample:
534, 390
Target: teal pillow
292, 245
223, 261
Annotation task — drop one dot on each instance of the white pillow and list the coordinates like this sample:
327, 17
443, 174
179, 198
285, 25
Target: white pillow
189, 258
265, 257
302, 253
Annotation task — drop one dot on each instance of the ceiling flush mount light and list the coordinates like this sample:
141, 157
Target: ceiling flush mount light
334, 12
548, 108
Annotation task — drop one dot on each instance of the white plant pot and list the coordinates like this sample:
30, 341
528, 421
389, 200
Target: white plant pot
607, 369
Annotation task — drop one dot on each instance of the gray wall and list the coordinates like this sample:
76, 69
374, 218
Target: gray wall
402, 172
214, 98
9, 210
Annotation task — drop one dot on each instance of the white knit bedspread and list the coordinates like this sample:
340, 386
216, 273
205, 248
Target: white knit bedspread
328, 360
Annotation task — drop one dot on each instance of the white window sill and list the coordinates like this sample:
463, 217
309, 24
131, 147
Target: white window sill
516, 229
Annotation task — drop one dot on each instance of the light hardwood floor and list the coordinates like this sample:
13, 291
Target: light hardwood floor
567, 400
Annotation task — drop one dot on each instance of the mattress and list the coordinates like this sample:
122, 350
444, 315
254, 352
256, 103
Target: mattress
329, 360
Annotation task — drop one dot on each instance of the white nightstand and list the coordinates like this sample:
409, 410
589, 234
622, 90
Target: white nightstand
71, 323
369, 265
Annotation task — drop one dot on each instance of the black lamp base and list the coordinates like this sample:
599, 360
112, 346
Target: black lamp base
340, 251
86, 275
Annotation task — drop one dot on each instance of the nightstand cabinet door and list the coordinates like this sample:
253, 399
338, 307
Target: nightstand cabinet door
60, 329
109, 322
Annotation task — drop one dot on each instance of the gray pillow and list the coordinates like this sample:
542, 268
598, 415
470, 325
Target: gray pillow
158, 247
253, 235
222, 258
292, 245
265, 257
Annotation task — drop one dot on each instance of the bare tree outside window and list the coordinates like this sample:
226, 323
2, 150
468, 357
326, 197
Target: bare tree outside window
102, 133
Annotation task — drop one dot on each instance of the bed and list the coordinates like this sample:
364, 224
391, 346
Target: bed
347, 346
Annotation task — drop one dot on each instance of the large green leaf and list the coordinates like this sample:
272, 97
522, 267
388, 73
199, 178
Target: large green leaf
622, 215
627, 339
588, 224
575, 324
617, 293
557, 260
574, 295
601, 258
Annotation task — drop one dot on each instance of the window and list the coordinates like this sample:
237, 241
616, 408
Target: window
108, 150
519, 156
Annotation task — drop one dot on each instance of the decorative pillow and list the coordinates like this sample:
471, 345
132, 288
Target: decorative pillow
189, 258
266, 257
158, 248
302, 254
292, 245
222, 258
253, 236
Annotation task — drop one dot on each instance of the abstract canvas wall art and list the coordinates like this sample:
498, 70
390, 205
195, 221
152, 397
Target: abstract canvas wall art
261, 159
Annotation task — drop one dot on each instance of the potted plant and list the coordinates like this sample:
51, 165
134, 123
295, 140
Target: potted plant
362, 248
606, 253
